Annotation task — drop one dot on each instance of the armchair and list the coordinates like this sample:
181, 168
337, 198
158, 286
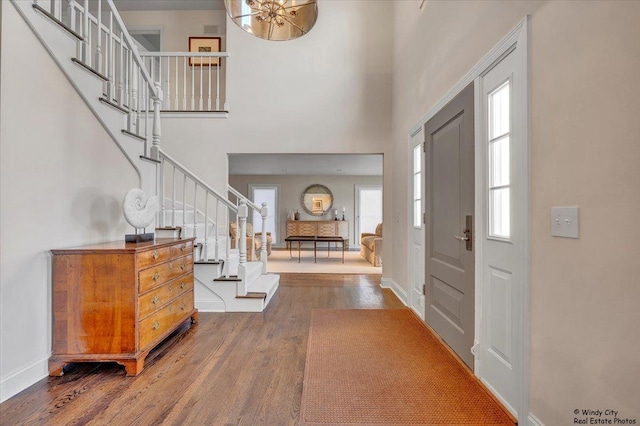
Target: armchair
371, 246
254, 241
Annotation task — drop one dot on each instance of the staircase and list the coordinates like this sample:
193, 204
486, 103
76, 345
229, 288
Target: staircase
92, 46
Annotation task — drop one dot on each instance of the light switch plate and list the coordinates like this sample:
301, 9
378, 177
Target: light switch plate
564, 222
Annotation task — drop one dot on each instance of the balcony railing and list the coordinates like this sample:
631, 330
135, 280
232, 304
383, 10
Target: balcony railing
191, 82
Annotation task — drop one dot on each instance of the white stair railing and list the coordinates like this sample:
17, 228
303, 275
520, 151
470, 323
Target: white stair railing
263, 211
190, 81
106, 48
180, 189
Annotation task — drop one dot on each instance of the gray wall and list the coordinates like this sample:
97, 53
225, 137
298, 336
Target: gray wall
291, 187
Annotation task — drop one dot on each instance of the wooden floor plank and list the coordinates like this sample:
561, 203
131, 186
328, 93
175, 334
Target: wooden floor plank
235, 368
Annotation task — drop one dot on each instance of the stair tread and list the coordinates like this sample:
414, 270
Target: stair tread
264, 283
253, 295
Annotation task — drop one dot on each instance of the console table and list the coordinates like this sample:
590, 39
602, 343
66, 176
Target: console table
116, 301
315, 240
319, 228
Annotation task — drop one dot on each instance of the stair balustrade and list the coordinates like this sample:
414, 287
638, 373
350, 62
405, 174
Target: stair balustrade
106, 48
190, 81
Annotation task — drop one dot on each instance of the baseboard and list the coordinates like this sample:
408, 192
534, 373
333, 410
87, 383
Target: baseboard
210, 306
22, 379
533, 421
397, 290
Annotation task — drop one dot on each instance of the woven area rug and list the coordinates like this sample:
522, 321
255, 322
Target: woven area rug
280, 261
384, 367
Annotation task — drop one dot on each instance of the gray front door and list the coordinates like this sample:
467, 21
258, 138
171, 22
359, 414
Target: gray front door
449, 196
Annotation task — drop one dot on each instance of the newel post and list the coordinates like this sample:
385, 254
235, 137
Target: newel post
155, 141
242, 245
263, 235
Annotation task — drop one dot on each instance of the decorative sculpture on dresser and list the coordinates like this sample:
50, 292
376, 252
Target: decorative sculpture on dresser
139, 212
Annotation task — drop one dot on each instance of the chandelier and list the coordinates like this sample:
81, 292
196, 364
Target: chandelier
273, 19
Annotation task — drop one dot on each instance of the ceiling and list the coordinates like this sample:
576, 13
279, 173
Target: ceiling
306, 164
169, 4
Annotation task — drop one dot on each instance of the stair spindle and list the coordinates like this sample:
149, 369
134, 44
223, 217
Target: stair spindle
176, 84
121, 72
184, 202
193, 88
86, 57
218, 84
195, 209
209, 86
263, 237
205, 249
99, 41
184, 84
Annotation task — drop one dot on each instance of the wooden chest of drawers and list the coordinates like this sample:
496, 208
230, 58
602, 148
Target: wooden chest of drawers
116, 301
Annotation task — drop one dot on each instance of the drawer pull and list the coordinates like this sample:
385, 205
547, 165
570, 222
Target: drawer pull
183, 267
171, 287
156, 276
156, 325
183, 248
155, 300
184, 306
170, 265
156, 254
170, 308
182, 285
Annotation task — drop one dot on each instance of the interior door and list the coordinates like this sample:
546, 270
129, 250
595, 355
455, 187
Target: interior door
416, 227
449, 204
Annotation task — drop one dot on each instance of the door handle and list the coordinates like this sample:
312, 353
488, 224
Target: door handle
467, 233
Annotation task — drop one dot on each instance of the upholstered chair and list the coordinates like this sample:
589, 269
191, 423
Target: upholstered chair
371, 246
254, 241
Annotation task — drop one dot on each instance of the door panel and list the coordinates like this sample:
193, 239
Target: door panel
449, 199
445, 186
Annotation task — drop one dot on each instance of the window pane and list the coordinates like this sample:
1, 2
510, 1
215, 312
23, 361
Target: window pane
500, 222
417, 188
417, 157
499, 162
417, 207
499, 112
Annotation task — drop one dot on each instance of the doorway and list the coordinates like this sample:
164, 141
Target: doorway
368, 205
501, 218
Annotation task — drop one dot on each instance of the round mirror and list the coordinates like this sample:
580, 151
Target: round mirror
317, 200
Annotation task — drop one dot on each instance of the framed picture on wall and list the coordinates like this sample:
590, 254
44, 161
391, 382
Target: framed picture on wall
204, 45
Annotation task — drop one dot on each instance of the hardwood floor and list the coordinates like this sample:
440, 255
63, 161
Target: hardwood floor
229, 369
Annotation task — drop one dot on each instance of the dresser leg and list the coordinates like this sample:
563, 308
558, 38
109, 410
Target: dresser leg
194, 318
133, 366
55, 367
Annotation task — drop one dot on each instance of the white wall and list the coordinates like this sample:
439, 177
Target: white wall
292, 186
62, 180
585, 98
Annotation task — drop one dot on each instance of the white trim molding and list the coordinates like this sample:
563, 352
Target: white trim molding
533, 421
23, 378
397, 290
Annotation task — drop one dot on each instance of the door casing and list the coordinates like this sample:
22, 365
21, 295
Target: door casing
516, 40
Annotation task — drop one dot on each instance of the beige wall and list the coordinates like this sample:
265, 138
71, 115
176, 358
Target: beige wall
585, 143
585, 104
291, 188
